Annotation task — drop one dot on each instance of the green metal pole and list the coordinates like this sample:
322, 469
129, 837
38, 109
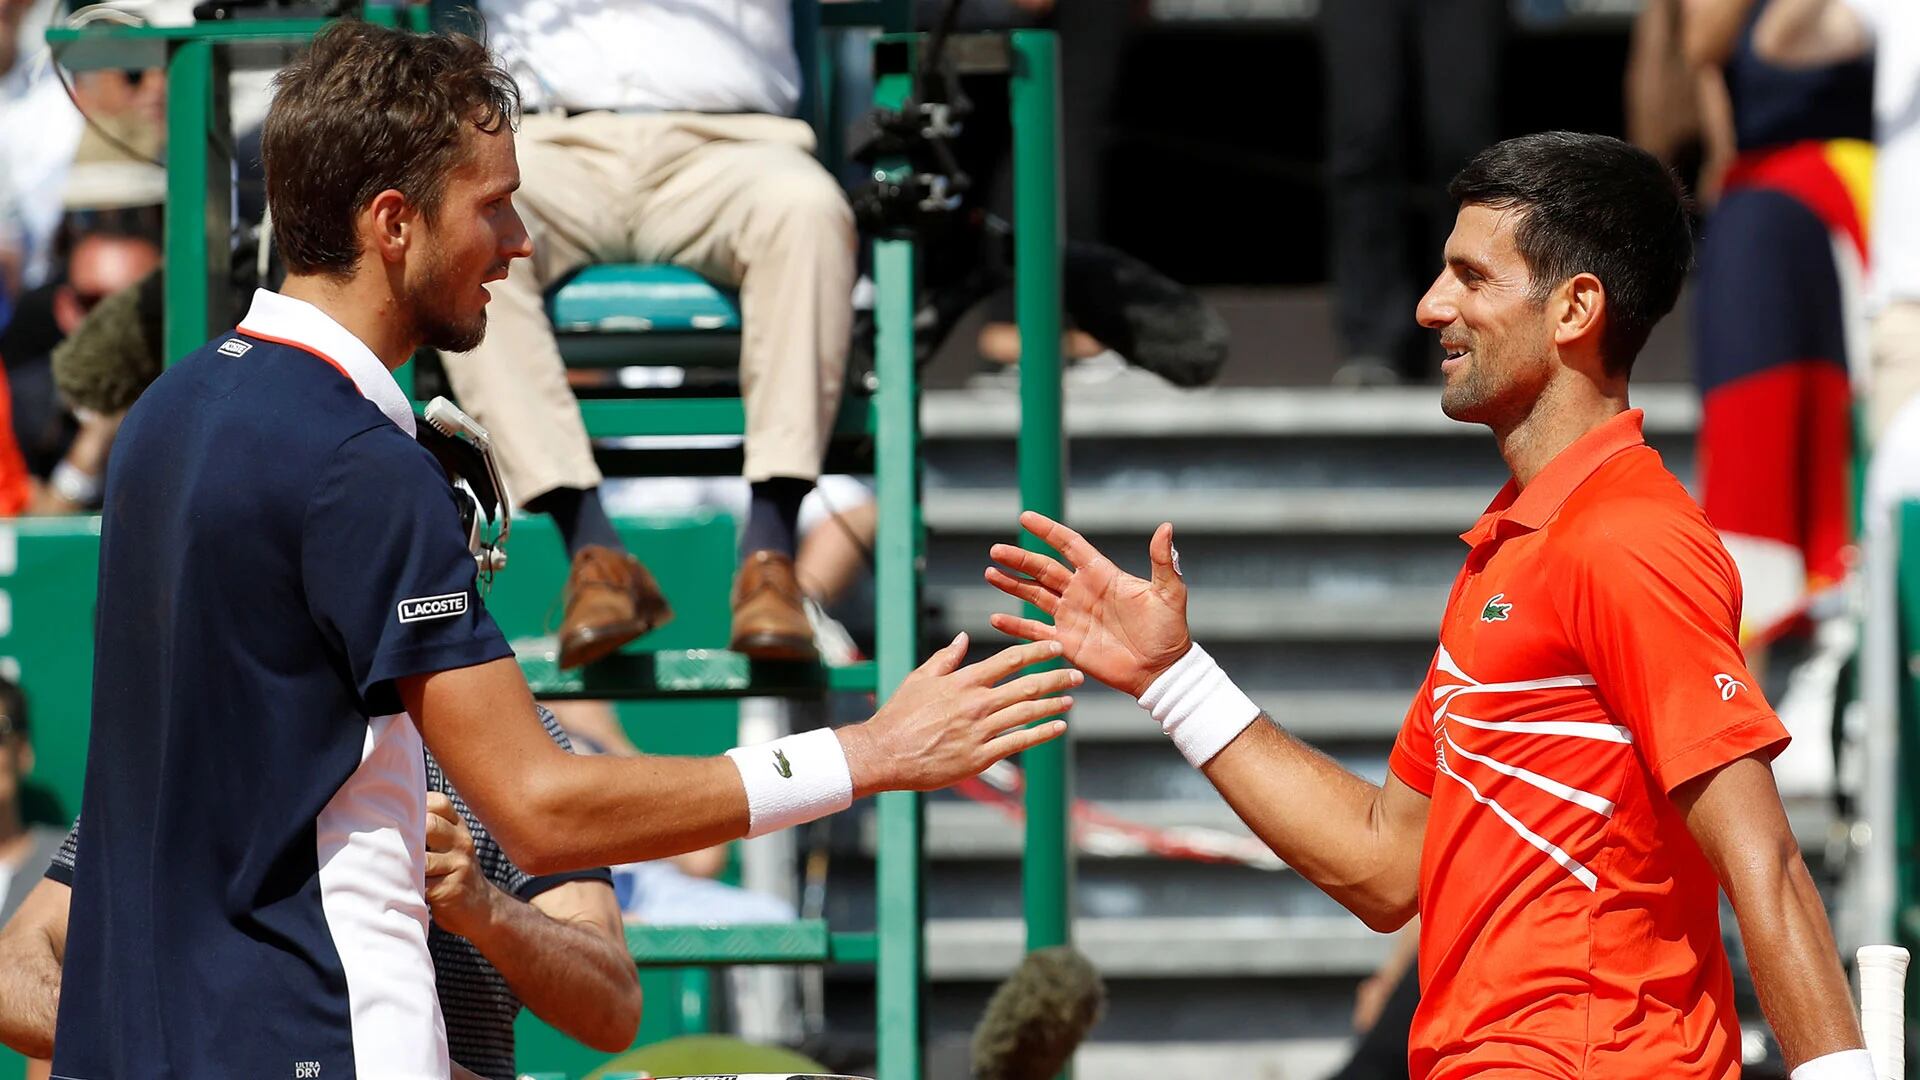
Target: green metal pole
188, 264
1047, 885
902, 899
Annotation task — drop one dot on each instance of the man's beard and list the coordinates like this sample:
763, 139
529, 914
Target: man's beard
435, 325
1466, 399
1493, 390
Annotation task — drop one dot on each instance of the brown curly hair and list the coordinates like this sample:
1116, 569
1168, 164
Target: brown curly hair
364, 109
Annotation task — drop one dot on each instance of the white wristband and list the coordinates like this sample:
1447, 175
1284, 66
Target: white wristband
1198, 707
1845, 1065
793, 780
74, 485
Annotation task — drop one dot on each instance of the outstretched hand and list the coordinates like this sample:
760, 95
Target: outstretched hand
947, 722
1118, 628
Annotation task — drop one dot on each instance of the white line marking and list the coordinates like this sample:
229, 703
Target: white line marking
1567, 862
1579, 729
1572, 794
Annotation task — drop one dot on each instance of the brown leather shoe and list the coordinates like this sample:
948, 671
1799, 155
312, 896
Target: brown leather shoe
768, 621
610, 600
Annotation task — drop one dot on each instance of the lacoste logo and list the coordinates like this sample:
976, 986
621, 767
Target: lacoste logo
1728, 685
422, 608
782, 765
1495, 611
235, 347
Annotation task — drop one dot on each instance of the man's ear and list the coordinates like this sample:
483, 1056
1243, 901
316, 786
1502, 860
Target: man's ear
387, 225
1580, 309
23, 758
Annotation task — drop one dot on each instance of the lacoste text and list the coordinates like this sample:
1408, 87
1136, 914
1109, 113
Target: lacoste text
433, 607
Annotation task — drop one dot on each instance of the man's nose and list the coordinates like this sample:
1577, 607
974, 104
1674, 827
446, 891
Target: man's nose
517, 243
1436, 309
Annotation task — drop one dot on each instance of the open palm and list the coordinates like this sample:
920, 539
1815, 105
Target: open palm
1118, 628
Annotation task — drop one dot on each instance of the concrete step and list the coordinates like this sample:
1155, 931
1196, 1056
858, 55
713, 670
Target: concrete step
1235, 947
1406, 613
1104, 716
1262, 512
970, 830
1386, 413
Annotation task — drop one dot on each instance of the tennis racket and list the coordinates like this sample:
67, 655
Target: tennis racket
1883, 1007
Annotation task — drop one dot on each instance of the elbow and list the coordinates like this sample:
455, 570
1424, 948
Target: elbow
621, 1023
529, 846
531, 834
1769, 45
538, 853
1386, 917
1384, 906
1703, 45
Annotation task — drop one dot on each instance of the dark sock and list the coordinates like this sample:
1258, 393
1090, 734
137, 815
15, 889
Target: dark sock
773, 516
581, 518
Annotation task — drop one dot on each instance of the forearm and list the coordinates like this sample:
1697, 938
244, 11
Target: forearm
1795, 964
602, 811
77, 480
1710, 29
571, 975
1325, 822
1808, 33
29, 989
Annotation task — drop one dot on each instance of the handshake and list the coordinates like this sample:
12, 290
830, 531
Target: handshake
948, 722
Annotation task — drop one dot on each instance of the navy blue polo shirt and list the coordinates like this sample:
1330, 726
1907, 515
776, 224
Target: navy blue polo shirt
276, 551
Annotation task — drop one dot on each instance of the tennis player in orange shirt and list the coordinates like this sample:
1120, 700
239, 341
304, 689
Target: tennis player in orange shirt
1587, 761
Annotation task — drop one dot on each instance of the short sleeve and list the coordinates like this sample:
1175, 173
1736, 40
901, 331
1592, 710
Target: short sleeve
61, 868
1412, 757
1657, 620
387, 572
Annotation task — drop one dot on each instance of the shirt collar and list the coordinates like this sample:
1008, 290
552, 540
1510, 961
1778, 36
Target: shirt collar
1530, 508
286, 321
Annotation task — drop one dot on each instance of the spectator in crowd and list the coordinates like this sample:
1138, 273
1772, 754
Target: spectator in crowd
65, 453
1674, 110
677, 144
39, 129
24, 849
500, 939
1375, 51
1803, 33
1780, 252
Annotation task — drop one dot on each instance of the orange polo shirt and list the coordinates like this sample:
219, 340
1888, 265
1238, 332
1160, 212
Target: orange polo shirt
1587, 666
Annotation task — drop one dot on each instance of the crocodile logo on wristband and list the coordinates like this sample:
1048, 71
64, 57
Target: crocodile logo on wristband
782, 765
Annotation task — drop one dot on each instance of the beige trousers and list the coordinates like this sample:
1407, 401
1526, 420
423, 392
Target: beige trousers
737, 198
1896, 364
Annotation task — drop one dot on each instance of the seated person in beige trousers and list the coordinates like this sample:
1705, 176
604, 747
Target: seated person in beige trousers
660, 132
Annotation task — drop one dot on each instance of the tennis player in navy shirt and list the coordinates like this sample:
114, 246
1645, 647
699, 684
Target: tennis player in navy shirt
287, 611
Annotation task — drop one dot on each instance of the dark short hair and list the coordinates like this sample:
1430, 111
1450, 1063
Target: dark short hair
1591, 204
362, 110
13, 709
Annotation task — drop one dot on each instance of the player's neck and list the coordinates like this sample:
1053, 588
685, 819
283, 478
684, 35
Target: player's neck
365, 306
1564, 411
